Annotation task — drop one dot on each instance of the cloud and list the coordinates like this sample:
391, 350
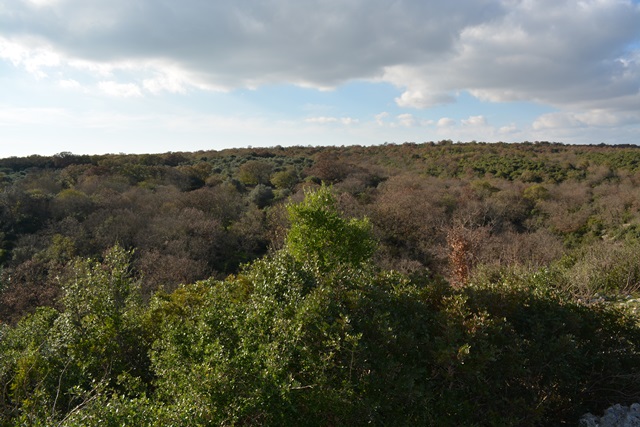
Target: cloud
420, 96
165, 82
508, 129
406, 120
475, 121
246, 44
30, 55
446, 122
69, 84
591, 119
381, 117
580, 56
42, 3
574, 55
119, 90
323, 120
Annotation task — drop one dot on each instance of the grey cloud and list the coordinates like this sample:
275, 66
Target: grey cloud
315, 42
570, 54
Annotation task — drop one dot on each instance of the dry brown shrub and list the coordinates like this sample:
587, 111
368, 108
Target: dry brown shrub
410, 217
329, 167
532, 249
167, 271
568, 207
464, 243
27, 287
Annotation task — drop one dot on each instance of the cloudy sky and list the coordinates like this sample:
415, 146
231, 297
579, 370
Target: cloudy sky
147, 76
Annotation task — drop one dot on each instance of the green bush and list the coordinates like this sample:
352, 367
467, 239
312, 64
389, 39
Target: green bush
606, 268
53, 364
566, 358
319, 235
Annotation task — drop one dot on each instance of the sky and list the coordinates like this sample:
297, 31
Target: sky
152, 76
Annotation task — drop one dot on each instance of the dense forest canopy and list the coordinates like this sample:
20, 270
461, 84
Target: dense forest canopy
403, 283
191, 216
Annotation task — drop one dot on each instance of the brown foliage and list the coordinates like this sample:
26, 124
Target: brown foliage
329, 168
458, 257
28, 286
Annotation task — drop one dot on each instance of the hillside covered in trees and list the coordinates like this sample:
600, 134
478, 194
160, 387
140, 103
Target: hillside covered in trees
425, 284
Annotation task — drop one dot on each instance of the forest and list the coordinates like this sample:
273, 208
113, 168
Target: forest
437, 283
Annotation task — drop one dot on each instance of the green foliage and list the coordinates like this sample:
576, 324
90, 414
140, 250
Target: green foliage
352, 346
261, 195
316, 331
319, 235
285, 179
117, 411
563, 355
536, 192
345, 344
54, 364
608, 268
99, 322
254, 172
483, 188
28, 368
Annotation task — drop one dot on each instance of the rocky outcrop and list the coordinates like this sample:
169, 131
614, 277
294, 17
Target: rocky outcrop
615, 416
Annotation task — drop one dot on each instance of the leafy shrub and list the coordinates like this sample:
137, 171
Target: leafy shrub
319, 235
261, 195
566, 357
608, 268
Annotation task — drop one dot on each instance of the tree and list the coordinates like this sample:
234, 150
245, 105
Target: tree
254, 172
261, 195
286, 179
319, 235
329, 168
100, 325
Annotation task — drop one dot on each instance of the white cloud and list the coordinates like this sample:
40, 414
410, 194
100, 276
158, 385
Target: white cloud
30, 54
69, 84
508, 129
406, 120
348, 121
43, 3
13, 52
421, 97
446, 122
475, 121
164, 83
604, 118
574, 53
120, 90
323, 120
381, 117
591, 119
237, 44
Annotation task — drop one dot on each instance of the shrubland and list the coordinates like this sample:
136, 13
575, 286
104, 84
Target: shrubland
430, 284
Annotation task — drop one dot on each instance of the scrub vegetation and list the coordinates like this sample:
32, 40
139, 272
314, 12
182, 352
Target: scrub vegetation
404, 284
